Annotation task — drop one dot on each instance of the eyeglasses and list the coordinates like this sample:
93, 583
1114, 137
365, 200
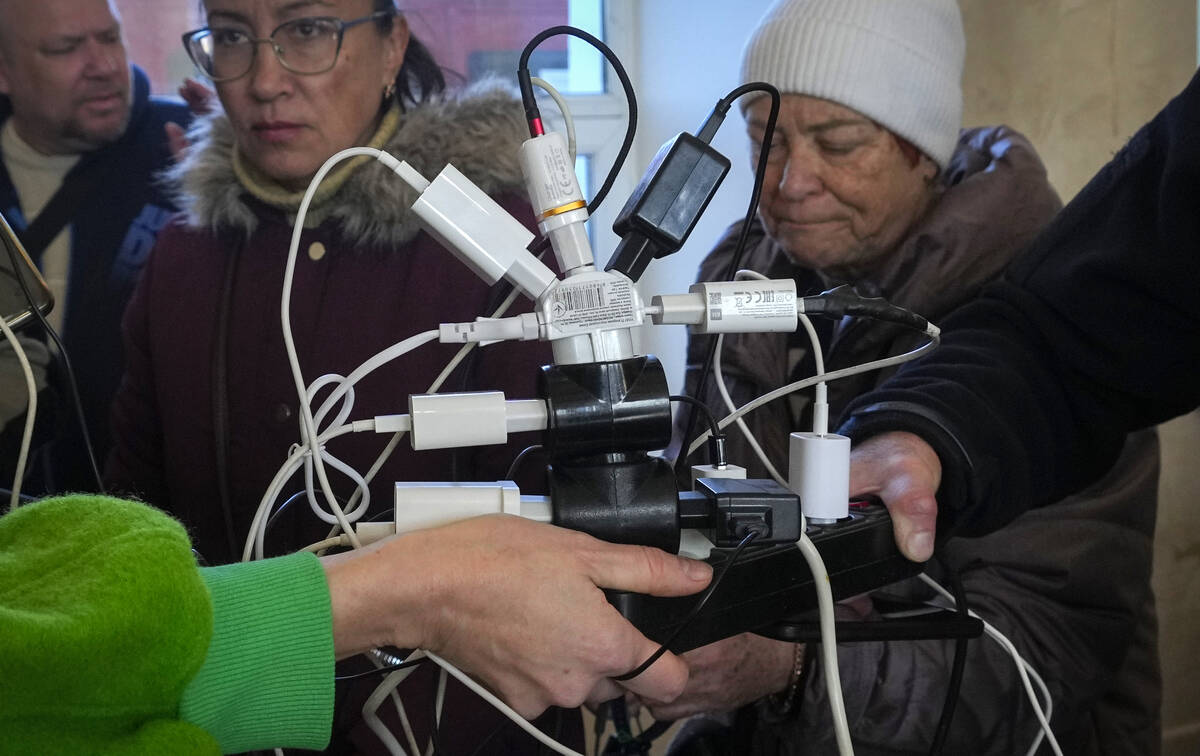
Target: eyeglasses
302, 45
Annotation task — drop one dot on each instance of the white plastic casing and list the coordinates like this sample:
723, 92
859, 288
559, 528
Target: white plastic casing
554, 191
749, 306
526, 415
523, 327
597, 346
549, 172
428, 505
712, 471
678, 309
819, 473
449, 421
587, 316
481, 233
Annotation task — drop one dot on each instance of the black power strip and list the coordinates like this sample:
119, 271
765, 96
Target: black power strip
770, 583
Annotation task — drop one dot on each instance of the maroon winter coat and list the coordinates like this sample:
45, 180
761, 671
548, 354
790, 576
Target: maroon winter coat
346, 306
207, 306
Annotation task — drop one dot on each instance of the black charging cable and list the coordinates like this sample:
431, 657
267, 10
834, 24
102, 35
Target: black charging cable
77, 403
625, 741
844, 300
717, 438
517, 460
706, 132
533, 115
695, 612
954, 689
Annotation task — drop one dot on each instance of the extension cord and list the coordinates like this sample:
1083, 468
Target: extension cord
770, 583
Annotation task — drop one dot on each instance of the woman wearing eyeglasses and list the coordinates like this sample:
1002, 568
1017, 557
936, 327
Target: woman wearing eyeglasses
207, 410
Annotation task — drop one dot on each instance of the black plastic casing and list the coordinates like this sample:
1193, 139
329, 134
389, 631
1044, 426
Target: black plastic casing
768, 584
669, 200
741, 506
599, 408
603, 419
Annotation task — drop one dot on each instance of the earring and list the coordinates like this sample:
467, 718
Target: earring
389, 91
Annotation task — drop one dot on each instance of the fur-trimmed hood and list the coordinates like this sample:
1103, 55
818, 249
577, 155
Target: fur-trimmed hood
479, 130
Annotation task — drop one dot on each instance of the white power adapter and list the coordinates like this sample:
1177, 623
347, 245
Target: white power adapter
819, 473
428, 505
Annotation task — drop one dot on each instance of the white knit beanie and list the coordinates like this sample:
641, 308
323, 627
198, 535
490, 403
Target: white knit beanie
898, 62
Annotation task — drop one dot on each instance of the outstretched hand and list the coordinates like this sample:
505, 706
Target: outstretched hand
904, 472
516, 604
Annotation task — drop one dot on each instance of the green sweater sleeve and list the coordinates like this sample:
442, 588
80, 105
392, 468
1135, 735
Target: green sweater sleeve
105, 618
267, 680
113, 642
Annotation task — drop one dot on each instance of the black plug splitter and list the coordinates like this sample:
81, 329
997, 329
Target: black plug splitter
770, 583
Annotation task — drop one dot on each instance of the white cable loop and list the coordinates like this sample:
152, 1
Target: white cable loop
311, 454
308, 424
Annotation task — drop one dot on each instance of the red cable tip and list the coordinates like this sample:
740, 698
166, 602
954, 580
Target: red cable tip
535, 127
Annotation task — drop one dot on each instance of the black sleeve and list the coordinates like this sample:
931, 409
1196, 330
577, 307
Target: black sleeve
1094, 332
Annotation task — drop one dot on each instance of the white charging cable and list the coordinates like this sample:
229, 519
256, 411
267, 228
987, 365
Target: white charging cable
934, 337
307, 424
751, 440
561, 102
833, 679
1024, 669
30, 413
313, 454
502, 707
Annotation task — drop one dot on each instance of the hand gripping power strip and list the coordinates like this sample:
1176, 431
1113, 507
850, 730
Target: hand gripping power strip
633, 498
769, 587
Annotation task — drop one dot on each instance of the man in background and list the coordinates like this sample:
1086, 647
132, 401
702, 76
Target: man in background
81, 142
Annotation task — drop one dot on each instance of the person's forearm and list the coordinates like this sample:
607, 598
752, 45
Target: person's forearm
515, 603
376, 594
1094, 332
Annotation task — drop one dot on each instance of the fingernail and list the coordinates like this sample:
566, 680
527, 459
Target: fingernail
697, 570
920, 546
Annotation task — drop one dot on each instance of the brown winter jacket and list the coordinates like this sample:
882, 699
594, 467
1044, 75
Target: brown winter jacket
1068, 583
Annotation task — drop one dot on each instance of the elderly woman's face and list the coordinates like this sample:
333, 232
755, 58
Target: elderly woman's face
839, 193
288, 124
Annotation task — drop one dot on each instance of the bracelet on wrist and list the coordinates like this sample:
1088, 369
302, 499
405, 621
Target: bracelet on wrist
784, 702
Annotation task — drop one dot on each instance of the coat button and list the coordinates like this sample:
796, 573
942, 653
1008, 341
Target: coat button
316, 251
282, 413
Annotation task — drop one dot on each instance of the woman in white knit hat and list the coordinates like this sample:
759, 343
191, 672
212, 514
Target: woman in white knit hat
870, 182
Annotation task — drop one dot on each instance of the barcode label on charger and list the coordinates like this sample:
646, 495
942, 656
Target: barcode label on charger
577, 307
588, 297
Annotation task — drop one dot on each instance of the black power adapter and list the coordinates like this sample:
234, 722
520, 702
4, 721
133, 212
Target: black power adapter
725, 510
666, 204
